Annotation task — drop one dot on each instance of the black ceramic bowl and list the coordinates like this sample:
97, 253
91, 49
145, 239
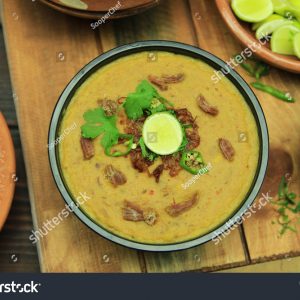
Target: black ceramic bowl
178, 48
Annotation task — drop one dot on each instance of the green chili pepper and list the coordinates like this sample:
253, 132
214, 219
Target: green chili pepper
273, 91
192, 161
248, 68
261, 69
146, 153
128, 143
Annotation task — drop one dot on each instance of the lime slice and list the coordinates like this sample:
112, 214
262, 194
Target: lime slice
297, 45
287, 8
280, 6
273, 17
296, 24
252, 10
295, 3
269, 26
282, 39
162, 133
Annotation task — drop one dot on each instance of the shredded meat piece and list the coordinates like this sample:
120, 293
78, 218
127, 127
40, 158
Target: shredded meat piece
121, 100
157, 172
115, 176
109, 106
174, 210
158, 82
163, 81
87, 147
193, 138
226, 149
173, 78
132, 212
150, 216
135, 127
171, 163
206, 107
185, 117
138, 161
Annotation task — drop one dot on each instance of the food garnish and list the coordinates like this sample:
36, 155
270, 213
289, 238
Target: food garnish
162, 133
152, 129
206, 107
115, 176
87, 147
254, 67
176, 209
171, 163
260, 69
273, 91
287, 206
143, 99
192, 161
226, 148
110, 107
125, 140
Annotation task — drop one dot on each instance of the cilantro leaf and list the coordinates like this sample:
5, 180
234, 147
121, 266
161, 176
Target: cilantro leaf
97, 122
142, 99
146, 153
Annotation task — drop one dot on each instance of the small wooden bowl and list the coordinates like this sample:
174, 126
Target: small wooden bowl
96, 9
242, 31
7, 170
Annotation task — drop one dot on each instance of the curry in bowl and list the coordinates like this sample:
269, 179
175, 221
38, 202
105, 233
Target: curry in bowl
165, 154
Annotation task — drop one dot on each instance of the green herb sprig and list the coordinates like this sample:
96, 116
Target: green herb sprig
286, 203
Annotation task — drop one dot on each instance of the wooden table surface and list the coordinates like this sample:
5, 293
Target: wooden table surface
17, 254
45, 49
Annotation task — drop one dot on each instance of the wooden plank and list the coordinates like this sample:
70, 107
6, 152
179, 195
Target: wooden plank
283, 122
45, 49
172, 21
287, 265
6, 102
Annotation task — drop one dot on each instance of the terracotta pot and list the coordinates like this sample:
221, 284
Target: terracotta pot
94, 9
242, 31
7, 170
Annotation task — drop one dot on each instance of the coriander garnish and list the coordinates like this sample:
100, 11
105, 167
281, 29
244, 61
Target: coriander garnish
287, 205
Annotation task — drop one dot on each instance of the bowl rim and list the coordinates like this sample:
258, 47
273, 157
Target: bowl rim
179, 48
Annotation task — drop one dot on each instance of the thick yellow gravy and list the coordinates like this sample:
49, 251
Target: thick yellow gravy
221, 191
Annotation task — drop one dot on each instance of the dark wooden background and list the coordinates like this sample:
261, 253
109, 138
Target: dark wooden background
17, 254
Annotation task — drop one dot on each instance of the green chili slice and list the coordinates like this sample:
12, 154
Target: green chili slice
192, 161
128, 143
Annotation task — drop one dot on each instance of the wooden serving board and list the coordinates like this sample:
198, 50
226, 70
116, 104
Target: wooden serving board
46, 48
